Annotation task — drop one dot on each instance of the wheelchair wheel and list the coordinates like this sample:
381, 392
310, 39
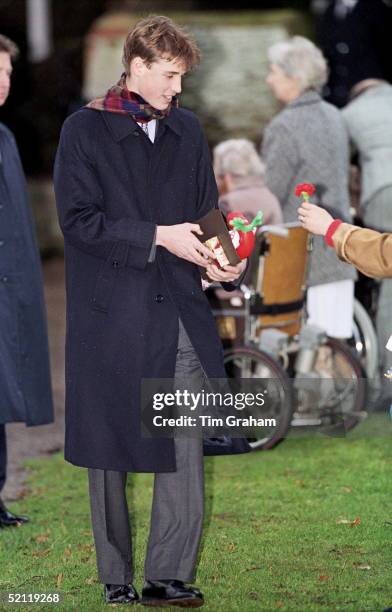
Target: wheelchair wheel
364, 341
248, 363
338, 391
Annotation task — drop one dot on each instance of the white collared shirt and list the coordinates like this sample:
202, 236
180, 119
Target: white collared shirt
149, 128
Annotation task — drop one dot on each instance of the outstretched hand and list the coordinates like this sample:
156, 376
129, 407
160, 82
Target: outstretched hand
314, 218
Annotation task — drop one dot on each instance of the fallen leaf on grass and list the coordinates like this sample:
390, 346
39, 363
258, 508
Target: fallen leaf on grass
59, 580
353, 523
279, 604
362, 566
323, 577
39, 490
345, 489
67, 552
300, 483
250, 569
44, 537
86, 547
21, 494
41, 553
231, 548
90, 580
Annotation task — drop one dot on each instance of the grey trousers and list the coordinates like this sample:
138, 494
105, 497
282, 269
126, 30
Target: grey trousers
378, 214
177, 508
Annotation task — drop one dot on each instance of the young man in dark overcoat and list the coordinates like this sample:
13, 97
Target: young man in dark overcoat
132, 177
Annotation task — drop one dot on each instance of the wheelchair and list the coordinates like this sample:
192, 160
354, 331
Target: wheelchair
312, 381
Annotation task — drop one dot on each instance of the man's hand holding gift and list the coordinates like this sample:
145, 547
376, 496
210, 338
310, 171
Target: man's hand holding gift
181, 241
227, 274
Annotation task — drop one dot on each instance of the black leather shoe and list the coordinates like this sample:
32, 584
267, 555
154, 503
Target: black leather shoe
163, 593
8, 519
120, 593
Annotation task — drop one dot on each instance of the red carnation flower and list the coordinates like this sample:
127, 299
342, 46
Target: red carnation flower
305, 190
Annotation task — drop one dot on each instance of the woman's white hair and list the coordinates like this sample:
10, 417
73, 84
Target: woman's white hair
238, 157
299, 57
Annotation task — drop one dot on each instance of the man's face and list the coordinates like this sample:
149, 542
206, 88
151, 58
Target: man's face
159, 83
5, 76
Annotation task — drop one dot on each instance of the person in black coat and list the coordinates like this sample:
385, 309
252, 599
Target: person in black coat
25, 387
354, 36
133, 175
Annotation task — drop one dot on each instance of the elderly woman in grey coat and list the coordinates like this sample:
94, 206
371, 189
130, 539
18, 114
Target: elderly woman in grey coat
307, 142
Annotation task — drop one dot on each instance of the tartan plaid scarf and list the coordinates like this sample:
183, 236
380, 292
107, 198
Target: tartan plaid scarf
119, 99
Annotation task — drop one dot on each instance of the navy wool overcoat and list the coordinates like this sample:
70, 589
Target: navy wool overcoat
25, 386
113, 187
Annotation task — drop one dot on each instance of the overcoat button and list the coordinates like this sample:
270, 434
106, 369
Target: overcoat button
1, 243
115, 264
136, 133
159, 298
5, 279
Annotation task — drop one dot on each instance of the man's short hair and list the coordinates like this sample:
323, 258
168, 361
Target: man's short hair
8, 46
158, 37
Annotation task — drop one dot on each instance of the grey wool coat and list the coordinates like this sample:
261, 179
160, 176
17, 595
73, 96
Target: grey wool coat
113, 187
368, 118
25, 386
307, 142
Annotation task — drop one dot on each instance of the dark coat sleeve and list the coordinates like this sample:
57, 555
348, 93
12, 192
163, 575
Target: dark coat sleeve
82, 209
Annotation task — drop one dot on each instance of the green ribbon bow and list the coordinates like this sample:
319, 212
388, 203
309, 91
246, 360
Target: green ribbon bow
243, 226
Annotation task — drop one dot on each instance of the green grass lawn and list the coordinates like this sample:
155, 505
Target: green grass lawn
307, 526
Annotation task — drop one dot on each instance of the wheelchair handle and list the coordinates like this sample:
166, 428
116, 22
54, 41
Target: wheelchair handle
276, 230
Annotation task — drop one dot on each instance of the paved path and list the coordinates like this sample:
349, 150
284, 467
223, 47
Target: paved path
26, 442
